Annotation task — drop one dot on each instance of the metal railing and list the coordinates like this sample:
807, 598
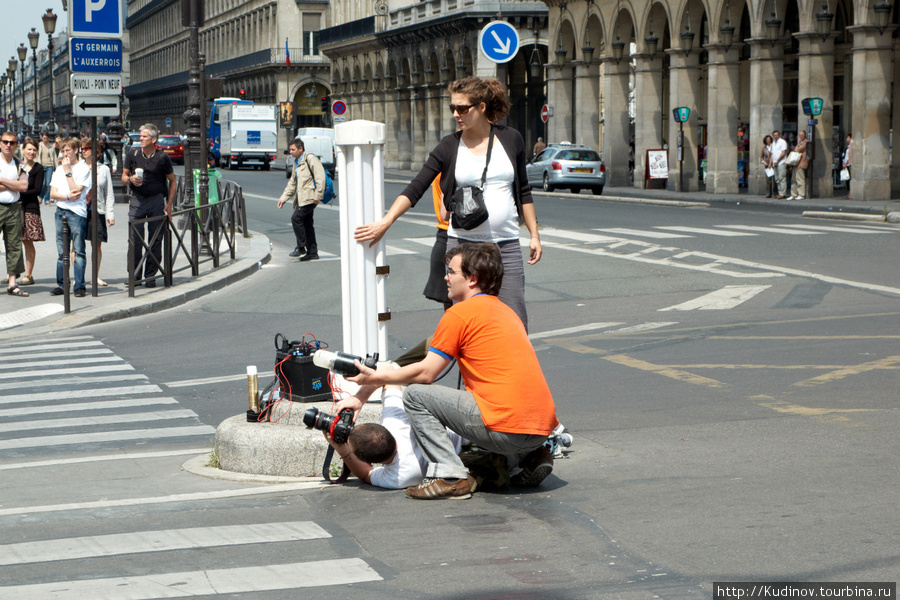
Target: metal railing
192, 237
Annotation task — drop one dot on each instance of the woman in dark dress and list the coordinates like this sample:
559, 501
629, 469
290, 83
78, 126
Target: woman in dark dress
33, 229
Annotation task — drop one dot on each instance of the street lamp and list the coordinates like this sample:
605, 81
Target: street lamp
773, 28
652, 41
22, 51
3, 79
726, 31
882, 15
823, 22
11, 71
560, 53
49, 20
34, 39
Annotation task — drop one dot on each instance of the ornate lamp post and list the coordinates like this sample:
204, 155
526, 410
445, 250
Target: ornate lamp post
3, 79
11, 72
34, 39
882, 15
23, 54
49, 27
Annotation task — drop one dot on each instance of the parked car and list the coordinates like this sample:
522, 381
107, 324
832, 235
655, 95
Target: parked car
134, 140
171, 145
568, 166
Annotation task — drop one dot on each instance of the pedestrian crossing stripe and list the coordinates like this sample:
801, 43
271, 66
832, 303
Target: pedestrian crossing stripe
34, 424
728, 297
71, 381
66, 372
704, 231
66, 361
106, 436
84, 393
756, 228
86, 406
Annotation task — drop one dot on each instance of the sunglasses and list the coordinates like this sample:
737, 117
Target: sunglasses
10, 142
460, 108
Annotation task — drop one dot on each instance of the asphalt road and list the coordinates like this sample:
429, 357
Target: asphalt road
729, 376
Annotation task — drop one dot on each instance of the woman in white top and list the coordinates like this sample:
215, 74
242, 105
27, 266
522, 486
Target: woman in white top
105, 202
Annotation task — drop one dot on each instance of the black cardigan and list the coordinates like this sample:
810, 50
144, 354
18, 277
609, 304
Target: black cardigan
443, 160
31, 202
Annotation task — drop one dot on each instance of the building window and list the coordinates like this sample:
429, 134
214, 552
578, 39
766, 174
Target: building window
311, 26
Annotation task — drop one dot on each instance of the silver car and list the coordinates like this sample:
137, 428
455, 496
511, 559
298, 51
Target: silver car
567, 166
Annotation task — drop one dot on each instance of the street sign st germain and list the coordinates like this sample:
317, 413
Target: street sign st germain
95, 56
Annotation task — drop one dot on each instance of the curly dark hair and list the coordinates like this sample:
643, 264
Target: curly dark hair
490, 91
482, 260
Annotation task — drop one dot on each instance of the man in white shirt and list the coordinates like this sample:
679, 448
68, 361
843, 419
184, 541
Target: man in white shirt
69, 188
779, 163
11, 184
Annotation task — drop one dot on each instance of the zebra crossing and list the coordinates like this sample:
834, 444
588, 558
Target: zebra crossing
75, 393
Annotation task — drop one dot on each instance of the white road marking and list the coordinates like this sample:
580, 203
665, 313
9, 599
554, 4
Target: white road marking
106, 436
395, 251
211, 380
71, 381
728, 297
83, 406
158, 541
643, 327
578, 236
50, 354
425, 241
63, 361
705, 231
27, 315
837, 229
102, 458
650, 234
194, 497
202, 583
70, 394
40, 346
33, 425
769, 230
40, 374
569, 330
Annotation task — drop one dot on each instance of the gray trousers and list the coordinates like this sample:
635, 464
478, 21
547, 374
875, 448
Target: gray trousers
781, 178
432, 407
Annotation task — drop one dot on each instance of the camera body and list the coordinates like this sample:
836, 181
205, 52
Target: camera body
342, 363
338, 427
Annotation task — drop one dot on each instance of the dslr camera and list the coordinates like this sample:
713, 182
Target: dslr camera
338, 427
342, 363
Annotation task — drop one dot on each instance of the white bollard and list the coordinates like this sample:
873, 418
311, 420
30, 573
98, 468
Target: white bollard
360, 165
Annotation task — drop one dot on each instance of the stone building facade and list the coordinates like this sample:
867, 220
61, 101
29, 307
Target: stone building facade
743, 69
393, 59
267, 48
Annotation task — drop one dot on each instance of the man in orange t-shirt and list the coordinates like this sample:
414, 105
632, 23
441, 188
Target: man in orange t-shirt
506, 407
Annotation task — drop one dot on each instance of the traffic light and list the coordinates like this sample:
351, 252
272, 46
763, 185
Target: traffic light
243, 95
326, 103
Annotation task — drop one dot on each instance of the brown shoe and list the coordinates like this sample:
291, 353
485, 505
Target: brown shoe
441, 489
535, 468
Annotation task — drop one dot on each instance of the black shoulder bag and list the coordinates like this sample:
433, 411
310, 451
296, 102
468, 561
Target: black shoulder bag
466, 206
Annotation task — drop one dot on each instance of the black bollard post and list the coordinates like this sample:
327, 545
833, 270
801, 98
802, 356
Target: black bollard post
66, 233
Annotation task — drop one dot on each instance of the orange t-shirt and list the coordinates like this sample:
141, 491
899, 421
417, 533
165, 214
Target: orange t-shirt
498, 365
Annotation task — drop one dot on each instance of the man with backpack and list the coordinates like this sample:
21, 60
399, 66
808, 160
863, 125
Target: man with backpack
307, 189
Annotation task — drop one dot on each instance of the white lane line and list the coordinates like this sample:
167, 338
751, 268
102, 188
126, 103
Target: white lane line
770, 230
213, 582
84, 406
728, 297
71, 381
425, 241
71, 394
705, 231
63, 361
643, 327
650, 234
39, 374
106, 436
27, 315
578, 236
211, 380
568, 330
194, 497
46, 356
33, 425
46, 343
102, 458
837, 229
395, 251
158, 541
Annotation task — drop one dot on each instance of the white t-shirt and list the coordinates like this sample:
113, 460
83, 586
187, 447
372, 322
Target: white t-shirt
408, 467
81, 173
8, 170
503, 220
777, 148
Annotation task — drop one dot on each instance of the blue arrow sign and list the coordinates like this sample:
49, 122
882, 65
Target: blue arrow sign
96, 18
95, 56
499, 41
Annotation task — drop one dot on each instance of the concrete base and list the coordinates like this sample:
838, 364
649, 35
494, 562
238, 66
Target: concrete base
283, 448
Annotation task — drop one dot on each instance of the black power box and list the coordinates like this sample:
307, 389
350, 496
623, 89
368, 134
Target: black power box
301, 378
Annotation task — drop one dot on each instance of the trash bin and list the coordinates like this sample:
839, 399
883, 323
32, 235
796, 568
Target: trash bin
213, 185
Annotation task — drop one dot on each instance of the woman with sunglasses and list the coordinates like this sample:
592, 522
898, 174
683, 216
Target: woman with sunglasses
33, 230
478, 105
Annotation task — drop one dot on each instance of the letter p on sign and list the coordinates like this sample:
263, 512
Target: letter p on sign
92, 6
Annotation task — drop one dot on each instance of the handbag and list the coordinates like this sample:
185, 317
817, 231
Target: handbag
466, 204
793, 159
845, 174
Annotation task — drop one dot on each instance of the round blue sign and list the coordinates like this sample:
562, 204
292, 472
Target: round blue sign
499, 41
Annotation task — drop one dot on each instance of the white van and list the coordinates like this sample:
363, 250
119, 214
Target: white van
318, 141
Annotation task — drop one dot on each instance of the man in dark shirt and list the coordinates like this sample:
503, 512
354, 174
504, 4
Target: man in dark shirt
149, 174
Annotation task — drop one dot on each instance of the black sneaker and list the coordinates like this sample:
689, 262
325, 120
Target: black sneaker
150, 283
80, 293
297, 252
57, 292
536, 466
307, 257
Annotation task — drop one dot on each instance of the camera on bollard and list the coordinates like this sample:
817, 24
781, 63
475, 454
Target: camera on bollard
342, 363
338, 427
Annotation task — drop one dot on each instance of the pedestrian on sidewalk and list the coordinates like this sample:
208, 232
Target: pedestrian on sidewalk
69, 187
33, 227
847, 159
779, 161
798, 181
539, 147
12, 183
149, 174
104, 203
49, 159
306, 189
765, 157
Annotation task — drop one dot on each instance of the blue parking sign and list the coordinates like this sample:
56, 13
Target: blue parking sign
96, 18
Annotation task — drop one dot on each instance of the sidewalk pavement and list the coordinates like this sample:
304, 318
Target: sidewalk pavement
42, 313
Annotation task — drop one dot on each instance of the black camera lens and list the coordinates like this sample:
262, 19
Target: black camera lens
314, 418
